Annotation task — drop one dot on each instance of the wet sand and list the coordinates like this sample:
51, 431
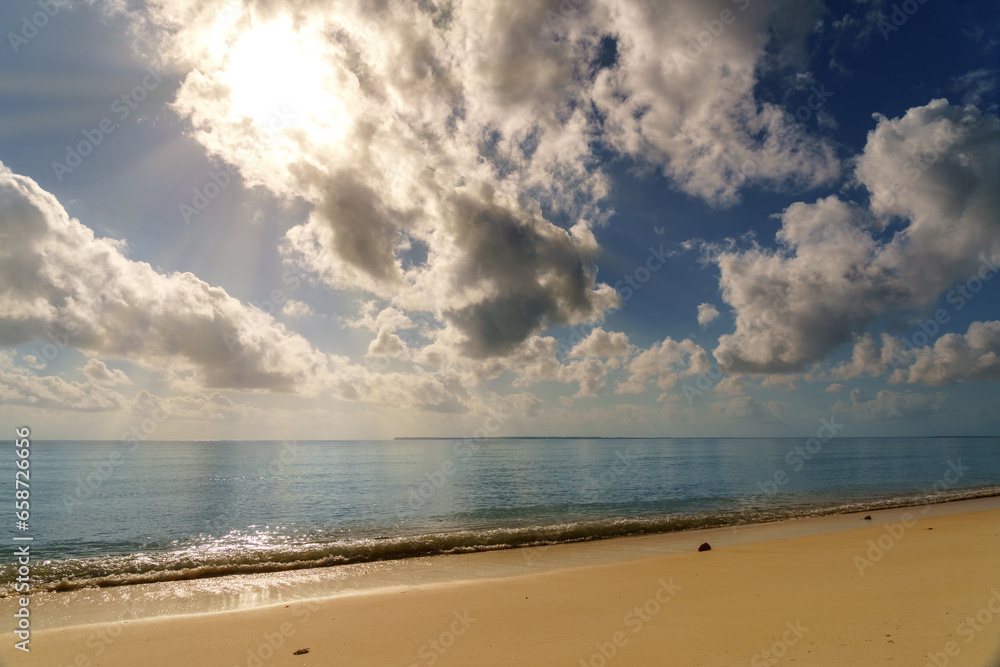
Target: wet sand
914, 586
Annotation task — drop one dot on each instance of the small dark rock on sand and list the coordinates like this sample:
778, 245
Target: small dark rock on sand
868, 517
705, 547
301, 651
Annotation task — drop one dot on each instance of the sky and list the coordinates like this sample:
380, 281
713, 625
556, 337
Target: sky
295, 219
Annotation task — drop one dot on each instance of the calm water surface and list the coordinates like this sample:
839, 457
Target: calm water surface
105, 513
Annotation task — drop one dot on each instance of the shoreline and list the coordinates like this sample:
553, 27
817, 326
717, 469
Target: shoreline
358, 578
760, 587
515, 538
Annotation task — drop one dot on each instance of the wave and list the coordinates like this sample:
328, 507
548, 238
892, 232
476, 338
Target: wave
224, 557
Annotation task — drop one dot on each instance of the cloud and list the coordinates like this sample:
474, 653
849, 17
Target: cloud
601, 344
98, 372
213, 407
32, 362
373, 319
295, 308
419, 390
933, 171
868, 358
952, 358
834, 388
452, 153
387, 344
664, 362
794, 305
785, 381
533, 272
536, 360
690, 110
889, 404
706, 314
975, 85
19, 386
423, 149
521, 405
64, 284
590, 373
746, 408
731, 385
972, 357
856, 28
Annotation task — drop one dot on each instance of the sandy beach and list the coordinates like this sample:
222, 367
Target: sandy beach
913, 586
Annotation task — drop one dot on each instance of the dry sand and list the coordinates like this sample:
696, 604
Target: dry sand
914, 587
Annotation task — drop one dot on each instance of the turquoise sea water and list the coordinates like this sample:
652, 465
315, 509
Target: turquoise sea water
108, 513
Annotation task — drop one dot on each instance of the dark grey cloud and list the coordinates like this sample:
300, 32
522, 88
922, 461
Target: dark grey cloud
533, 275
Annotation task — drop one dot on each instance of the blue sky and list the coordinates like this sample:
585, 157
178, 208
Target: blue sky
320, 220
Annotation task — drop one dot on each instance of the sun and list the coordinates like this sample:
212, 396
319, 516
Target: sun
282, 77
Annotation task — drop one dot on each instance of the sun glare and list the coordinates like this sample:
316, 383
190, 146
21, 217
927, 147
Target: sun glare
279, 78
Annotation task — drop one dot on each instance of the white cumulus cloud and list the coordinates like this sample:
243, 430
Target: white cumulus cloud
934, 170
707, 313
64, 284
98, 372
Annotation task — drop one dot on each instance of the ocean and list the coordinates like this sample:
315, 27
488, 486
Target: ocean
109, 513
